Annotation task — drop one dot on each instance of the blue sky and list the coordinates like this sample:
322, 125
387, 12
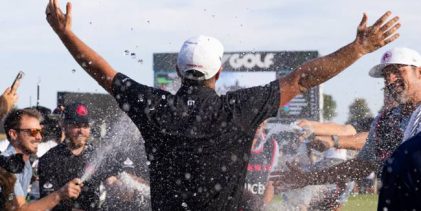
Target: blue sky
145, 27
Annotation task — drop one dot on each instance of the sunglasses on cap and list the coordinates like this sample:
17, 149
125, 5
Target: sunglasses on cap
31, 131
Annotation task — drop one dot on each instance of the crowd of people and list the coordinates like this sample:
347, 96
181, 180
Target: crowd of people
213, 152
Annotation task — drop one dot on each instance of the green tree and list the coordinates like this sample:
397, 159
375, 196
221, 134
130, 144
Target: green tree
329, 107
358, 110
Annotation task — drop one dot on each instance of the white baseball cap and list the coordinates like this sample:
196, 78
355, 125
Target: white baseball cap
403, 56
201, 53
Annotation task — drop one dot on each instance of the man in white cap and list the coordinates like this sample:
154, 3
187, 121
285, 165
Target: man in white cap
198, 143
400, 68
402, 171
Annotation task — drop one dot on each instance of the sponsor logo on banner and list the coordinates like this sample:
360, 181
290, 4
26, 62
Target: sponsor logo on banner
250, 60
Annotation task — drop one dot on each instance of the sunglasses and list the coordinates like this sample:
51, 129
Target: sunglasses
31, 131
395, 68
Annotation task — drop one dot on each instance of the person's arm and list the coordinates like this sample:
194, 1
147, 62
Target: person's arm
354, 169
355, 142
319, 70
70, 190
327, 128
87, 58
8, 99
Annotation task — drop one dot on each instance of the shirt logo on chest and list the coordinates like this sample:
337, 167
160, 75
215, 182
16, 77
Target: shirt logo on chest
191, 102
47, 186
128, 163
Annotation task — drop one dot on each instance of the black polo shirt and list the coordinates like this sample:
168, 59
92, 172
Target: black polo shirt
58, 166
198, 143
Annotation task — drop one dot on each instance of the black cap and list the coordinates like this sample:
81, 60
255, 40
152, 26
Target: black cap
76, 113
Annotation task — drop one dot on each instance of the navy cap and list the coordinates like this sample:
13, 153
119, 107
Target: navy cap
76, 113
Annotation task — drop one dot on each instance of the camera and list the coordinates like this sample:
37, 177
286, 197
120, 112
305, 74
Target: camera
13, 163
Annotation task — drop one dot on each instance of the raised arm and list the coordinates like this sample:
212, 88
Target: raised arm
319, 70
87, 58
354, 169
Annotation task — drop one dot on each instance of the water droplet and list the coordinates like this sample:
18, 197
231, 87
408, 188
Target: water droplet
126, 52
140, 61
187, 176
184, 204
73, 71
148, 21
218, 187
126, 107
234, 158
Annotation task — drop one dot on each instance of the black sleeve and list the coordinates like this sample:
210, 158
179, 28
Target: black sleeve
47, 178
253, 105
135, 99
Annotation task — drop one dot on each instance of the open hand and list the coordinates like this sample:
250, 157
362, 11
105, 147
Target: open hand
381, 33
291, 179
321, 143
60, 22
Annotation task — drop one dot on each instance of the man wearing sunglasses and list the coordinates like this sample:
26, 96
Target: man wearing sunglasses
24, 132
400, 68
402, 171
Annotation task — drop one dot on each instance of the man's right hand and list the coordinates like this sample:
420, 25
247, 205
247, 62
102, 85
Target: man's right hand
60, 22
9, 98
321, 143
292, 179
71, 190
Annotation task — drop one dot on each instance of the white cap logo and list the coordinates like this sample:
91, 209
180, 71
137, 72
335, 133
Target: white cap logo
386, 57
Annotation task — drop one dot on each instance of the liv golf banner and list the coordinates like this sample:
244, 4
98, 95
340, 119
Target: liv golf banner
246, 69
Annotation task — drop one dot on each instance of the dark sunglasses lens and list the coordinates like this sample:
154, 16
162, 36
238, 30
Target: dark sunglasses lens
35, 132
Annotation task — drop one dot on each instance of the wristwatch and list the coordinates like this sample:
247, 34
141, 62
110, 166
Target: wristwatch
335, 140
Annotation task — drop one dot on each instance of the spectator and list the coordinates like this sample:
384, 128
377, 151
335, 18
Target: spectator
23, 131
68, 160
397, 66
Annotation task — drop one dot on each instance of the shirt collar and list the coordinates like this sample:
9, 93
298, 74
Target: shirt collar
10, 150
196, 90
